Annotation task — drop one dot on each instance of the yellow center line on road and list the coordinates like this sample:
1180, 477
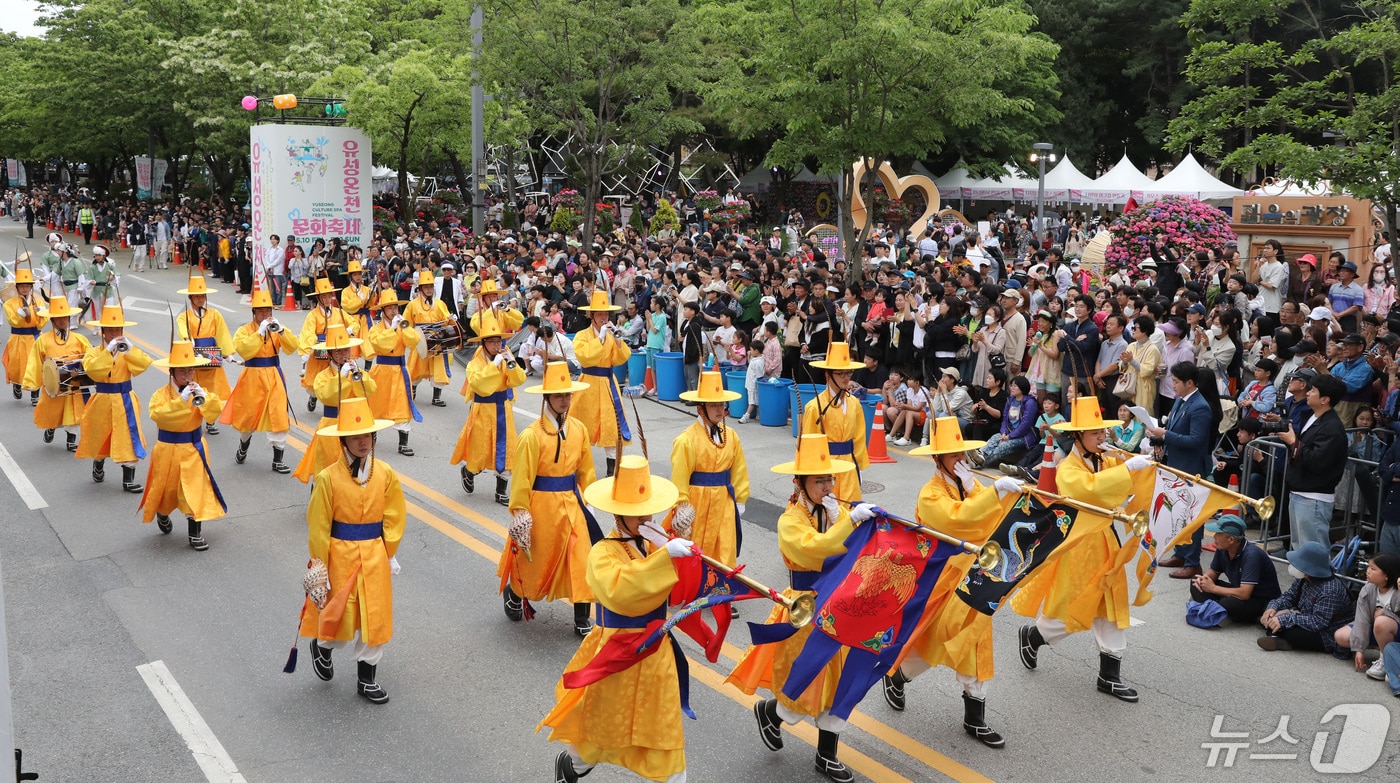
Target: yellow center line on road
853, 758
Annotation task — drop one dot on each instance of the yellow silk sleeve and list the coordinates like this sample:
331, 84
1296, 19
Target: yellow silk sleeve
626, 586
803, 547
395, 510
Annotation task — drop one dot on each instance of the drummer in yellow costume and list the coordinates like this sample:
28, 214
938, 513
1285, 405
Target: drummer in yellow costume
423, 309
342, 379
488, 436
599, 351
207, 328
179, 477
357, 300
709, 469
491, 315
391, 339
354, 524
553, 465
111, 421
313, 331
60, 343
840, 417
259, 402
1083, 588
630, 718
26, 314
958, 636
813, 527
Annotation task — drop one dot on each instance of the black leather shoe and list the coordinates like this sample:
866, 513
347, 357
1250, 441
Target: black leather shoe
514, 605
1031, 640
321, 662
242, 455
367, 685
894, 690
468, 480
163, 523
770, 726
98, 474
311, 404
1111, 682
48, 436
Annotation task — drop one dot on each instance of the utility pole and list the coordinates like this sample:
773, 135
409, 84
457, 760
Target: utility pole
478, 183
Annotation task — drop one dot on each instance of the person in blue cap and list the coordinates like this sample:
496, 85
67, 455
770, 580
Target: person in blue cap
1241, 577
1307, 616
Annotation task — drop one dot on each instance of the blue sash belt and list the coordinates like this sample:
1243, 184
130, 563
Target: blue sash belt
269, 361
607, 372
27, 331
357, 531
499, 399
845, 448
206, 342
610, 619
570, 484
720, 478
124, 389
195, 438
804, 580
397, 361
330, 411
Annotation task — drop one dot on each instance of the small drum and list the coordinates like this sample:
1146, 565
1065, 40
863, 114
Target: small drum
210, 352
65, 378
438, 338
8, 291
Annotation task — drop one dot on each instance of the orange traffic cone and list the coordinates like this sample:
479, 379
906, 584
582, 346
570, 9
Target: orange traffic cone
49, 223
876, 448
176, 253
649, 380
1047, 466
289, 305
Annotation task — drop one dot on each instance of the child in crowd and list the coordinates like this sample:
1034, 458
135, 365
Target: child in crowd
753, 371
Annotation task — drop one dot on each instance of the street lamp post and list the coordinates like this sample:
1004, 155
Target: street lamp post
1042, 152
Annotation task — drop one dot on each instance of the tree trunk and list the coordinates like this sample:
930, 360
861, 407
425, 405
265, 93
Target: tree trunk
510, 176
592, 187
460, 173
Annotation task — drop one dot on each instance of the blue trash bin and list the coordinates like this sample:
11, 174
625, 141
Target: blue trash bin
809, 392
636, 367
734, 381
773, 401
670, 375
870, 401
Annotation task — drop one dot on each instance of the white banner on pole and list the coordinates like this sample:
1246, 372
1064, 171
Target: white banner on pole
143, 176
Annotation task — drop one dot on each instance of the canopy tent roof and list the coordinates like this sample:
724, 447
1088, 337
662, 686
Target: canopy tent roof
1064, 179
1004, 187
955, 183
1189, 178
1117, 185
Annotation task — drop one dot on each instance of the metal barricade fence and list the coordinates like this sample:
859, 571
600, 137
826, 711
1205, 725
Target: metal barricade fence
1267, 478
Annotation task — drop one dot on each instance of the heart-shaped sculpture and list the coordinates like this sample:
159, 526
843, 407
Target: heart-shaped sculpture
895, 187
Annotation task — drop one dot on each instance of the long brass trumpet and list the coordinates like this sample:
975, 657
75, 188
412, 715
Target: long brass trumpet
1264, 507
988, 554
801, 609
1137, 522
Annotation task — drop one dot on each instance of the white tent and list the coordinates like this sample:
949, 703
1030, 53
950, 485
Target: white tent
1064, 179
756, 181
1116, 186
955, 183
1189, 179
1001, 188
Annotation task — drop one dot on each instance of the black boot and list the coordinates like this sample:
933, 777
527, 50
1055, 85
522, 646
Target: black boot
72, 438
612, 465
975, 722
770, 726
437, 398
583, 623
468, 480
129, 479
311, 404
564, 771
1031, 642
827, 763
515, 607
403, 445
368, 687
894, 689
242, 454
502, 490
277, 465
15, 390
211, 429
48, 436
321, 662
98, 474
163, 523
197, 542
1109, 680
34, 399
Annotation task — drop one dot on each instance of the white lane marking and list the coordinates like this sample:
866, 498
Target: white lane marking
23, 485
1136, 621
207, 750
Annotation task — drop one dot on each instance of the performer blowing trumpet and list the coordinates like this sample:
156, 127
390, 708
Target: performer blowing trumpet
487, 439
110, 425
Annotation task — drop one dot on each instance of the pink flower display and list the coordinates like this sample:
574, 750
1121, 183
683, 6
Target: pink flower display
1186, 224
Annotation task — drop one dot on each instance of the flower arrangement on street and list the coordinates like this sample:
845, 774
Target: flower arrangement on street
1180, 222
707, 199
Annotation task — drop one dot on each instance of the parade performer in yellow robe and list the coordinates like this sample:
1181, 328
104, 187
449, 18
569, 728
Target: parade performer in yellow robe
1087, 587
839, 416
957, 635
259, 402
61, 344
354, 524
342, 379
630, 718
491, 315
551, 530
423, 309
26, 314
357, 300
209, 331
599, 351
488, 436
709, 469
180, 477
391, 338
813, 527
111, 423
313, 331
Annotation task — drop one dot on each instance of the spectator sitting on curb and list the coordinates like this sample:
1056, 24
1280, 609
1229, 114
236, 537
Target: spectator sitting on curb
1241, 577
1307, 616
1376, 615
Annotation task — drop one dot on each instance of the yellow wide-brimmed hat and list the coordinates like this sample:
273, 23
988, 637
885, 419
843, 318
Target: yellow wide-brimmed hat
947, 439
112, 317
181, 355
355, 419
556, 380
838, 357
261, 298
488, 325
1085, 415
324, 286
337, 338
196, 285
425, 277
599, 303
25, 275
354, 266
488, 287
813, 459
632, 491
711, 390
388, 297
59, 307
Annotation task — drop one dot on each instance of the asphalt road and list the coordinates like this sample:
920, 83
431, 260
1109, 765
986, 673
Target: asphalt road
92, 594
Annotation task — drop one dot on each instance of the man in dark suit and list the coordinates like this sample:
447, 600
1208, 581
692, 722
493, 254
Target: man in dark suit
1187, 436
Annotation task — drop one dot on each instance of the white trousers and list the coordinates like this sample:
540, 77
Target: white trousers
275, 438
825, 721
913, 666
362, 651
583, 769
138, 257
1108, 635
404, 426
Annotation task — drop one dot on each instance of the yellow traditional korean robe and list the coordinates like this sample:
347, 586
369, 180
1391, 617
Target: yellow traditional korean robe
23, 332
209, 330
111, 423
355, 301
845, 430
258, 402
716, 528
393, 397
54, 412
179, 477
596, 407
331, 387
505, 320
313, 331
433, 368
487, 441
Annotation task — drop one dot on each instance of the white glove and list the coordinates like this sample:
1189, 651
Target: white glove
394, 567
350, 329
500, 359
683, 519
347, 369
187, 392
262, 328
832, 506
114, 344
1007, 485
680, 547
1137, 463
742, 508
397, 322
520, 525
276, 322
653, 533
964, 474
198, 390
862, 512
24, 313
